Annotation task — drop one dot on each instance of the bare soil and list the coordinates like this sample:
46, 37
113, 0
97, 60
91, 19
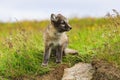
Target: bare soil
105, 70
55, 74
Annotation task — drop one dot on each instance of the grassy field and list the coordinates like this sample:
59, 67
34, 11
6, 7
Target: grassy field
21, 45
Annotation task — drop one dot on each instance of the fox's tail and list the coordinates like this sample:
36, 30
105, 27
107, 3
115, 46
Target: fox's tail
70, 51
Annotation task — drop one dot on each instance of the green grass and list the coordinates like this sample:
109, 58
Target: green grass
21, 45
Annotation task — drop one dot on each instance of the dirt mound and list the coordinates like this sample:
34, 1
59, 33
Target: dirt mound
55, 74
105, 71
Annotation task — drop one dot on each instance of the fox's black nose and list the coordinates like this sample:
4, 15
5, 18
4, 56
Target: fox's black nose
70, 28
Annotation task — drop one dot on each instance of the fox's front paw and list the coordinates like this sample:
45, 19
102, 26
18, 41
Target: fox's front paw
44, 64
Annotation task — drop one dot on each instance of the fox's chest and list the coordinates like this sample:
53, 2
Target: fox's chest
55, 41
58, 40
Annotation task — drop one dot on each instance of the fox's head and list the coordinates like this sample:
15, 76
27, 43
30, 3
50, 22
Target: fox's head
60, 23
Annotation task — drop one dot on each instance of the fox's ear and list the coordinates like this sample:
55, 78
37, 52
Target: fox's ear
53, 17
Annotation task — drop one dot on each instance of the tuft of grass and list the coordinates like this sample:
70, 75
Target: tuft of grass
21, 54
110, 49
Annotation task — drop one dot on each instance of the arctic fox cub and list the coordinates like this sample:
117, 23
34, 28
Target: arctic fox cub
56, 40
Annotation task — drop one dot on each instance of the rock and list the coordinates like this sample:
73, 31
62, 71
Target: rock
80, 71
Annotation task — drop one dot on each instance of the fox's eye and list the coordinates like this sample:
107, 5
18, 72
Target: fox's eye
63, 25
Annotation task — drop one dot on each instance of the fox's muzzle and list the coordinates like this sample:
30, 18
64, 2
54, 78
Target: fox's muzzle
69, 28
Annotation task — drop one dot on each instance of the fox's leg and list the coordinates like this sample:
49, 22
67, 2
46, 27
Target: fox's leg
64, 48
53, 52
46, 55
59, 53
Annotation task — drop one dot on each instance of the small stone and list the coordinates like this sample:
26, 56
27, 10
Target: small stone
80, 71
